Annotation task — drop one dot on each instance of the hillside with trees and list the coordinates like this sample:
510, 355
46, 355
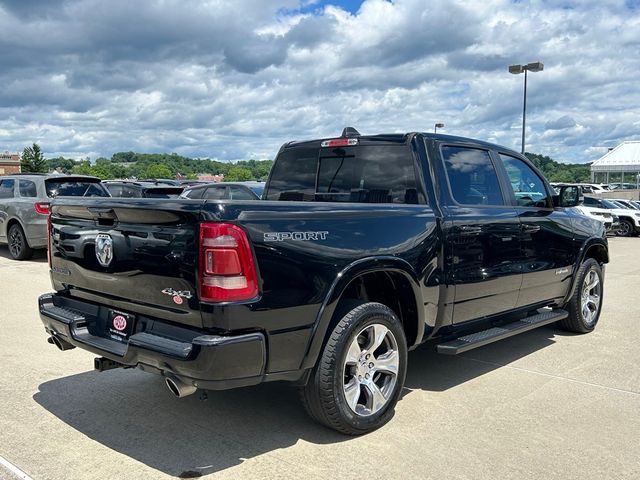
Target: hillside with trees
561, 172
162, 165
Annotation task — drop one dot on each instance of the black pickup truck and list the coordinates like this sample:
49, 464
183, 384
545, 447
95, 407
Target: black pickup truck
362, 248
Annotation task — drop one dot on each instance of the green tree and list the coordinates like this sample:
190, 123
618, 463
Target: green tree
64, 165
83, 168
157, 170
32, 160
238, 174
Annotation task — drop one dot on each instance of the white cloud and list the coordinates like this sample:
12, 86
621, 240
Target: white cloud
234, 80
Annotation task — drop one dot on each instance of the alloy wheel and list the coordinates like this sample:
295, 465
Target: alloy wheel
371, 370
591, 297
624, 230
16, 242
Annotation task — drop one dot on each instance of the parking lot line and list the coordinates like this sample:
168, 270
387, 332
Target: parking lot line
13, 469
558, 377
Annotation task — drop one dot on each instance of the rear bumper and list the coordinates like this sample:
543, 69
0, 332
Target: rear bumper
207, 361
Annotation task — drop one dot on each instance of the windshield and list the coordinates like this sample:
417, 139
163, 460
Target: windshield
75, 188
609, 204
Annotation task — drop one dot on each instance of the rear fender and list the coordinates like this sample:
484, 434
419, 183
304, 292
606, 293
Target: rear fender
340, 284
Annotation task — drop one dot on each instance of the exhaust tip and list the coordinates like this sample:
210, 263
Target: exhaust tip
179, 388
61, 344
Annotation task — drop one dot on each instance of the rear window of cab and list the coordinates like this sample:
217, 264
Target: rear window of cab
355, 174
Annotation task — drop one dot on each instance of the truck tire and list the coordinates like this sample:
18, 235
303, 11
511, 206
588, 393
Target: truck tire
358, 379
19, 249
626, 228
585, 305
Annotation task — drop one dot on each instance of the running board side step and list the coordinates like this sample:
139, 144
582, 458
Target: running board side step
484, 337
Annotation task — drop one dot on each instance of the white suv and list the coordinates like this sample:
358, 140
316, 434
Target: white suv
603, 215
629, 219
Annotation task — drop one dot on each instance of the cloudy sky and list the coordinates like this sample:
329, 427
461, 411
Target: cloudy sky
234, 79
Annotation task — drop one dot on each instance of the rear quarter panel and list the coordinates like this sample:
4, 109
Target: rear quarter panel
304, 248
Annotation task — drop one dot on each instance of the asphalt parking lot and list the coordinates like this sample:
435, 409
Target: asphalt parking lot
543, 405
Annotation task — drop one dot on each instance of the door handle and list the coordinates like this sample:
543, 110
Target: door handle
470, 230
529, 228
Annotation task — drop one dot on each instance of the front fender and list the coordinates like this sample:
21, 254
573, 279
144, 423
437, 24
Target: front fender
339, 285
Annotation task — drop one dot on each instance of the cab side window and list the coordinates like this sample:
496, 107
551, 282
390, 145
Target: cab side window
527, 186
472, 177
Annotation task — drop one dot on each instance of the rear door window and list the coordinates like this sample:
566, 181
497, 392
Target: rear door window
115, 190
129, 191
27, 188
195, 193
215, 193
6, 188
472, 176
239, 193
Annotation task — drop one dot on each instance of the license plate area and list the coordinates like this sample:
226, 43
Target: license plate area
120, 325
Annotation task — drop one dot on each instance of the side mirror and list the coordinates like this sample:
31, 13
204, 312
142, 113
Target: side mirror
568, 196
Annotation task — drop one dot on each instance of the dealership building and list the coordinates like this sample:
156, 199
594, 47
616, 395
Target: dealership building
619, 165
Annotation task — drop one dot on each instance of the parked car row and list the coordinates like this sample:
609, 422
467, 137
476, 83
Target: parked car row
598, 188
620, 216
587, 188
25, 200
627, 211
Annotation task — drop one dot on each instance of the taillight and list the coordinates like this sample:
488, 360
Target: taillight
42, 208
49, 240
227, 269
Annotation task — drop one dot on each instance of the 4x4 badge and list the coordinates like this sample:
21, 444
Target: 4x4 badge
104, 249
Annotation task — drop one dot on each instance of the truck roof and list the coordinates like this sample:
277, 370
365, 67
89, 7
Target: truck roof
398, 138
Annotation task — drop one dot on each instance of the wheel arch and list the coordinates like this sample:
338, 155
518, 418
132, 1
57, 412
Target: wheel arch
15, 221
629, 220
595, 248
387, 280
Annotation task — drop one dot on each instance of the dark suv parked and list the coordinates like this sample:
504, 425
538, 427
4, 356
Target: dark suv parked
142, 190
24, 206
225, 191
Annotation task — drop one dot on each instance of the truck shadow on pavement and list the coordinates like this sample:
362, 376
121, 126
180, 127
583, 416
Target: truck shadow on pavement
134, 414
431, 371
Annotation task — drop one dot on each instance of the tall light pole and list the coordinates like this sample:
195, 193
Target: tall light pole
437, 126
516, 69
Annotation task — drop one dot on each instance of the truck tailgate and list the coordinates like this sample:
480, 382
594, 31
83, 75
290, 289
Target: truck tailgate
139, 257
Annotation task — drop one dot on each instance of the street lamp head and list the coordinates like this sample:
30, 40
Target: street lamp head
535, 67
439, 125
516, 69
